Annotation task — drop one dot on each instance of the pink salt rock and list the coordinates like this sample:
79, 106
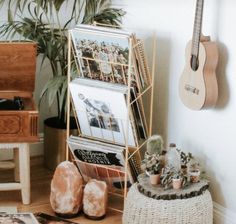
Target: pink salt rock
95, 199
66, 190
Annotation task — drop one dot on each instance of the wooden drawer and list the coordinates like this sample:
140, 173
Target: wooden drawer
18, 126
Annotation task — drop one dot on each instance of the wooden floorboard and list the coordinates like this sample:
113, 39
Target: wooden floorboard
40, 191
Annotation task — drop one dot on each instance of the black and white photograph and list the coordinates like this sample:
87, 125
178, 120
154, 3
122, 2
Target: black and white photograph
101, 110
101, 55
17, 218
99, 114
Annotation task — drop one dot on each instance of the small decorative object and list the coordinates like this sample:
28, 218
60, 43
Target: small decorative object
194, 176
184, 160
177, 183
155, 179
166, 177
66, 190
95, 199
173, 157
155, 145
172, 176
152, 163
152, 166
178, 179
194, 171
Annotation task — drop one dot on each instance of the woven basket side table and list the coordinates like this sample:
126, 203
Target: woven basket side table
140, 209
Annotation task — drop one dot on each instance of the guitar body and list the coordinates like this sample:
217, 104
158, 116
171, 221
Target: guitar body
198, 89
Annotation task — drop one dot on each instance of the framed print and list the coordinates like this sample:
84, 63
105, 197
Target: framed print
101, 53
102, 112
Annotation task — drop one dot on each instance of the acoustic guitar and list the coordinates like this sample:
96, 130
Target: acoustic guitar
198, 87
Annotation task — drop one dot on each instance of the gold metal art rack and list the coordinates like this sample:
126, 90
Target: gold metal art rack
104, 170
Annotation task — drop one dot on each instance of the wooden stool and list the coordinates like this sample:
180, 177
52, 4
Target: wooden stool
21, 166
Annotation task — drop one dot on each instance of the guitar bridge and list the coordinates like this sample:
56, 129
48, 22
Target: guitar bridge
191, 89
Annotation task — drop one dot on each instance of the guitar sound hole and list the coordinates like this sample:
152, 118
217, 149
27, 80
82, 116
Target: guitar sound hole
194, 63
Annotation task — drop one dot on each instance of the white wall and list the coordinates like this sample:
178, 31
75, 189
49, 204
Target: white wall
209, 134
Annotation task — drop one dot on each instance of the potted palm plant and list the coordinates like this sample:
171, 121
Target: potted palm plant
46, 22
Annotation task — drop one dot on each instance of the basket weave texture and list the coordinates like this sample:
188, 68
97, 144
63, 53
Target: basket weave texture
140, 209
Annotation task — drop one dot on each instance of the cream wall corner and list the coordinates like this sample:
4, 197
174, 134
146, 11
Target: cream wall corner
209, 134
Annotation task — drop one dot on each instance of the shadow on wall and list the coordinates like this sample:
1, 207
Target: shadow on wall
223, 60
161, 84
222, 78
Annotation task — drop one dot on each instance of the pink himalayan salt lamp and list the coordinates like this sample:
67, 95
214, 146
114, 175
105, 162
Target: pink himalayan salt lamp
95, 199
66, 190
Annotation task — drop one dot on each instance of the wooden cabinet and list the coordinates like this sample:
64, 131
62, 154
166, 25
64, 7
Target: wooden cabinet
17, 78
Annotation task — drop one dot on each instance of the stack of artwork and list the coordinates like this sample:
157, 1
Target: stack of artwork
112, 70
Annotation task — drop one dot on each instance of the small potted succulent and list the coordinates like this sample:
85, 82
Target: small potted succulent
185, 159
166, 177
194, 172
152, 166
179, 180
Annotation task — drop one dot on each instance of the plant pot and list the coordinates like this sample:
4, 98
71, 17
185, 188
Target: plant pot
177, 183
184, 169
194, 176
155, 179
55, 141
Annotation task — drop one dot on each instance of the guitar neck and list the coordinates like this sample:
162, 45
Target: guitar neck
197, 27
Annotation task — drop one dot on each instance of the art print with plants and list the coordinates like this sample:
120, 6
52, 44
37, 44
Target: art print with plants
46, 22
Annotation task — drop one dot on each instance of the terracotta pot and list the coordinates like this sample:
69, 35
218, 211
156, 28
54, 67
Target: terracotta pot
155, 179
194, 176
177, 183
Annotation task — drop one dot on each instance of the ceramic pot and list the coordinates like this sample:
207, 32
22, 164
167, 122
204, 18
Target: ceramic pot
155, 179
194, 175
177, 183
